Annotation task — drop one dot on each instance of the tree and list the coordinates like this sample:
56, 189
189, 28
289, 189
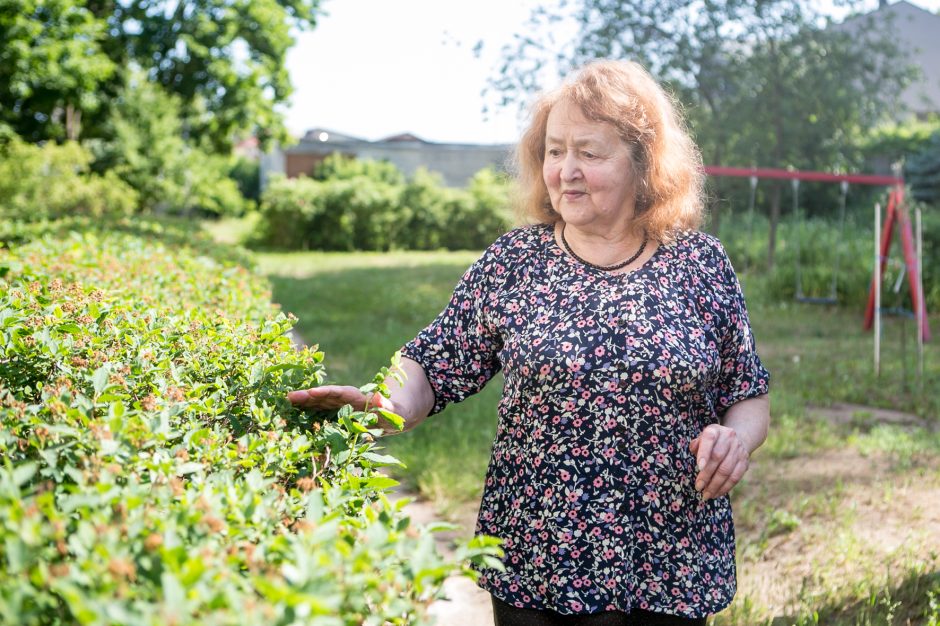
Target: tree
147, 150
52, 67
763, 82
224, 59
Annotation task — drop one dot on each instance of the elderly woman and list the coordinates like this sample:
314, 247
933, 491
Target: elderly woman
633, 393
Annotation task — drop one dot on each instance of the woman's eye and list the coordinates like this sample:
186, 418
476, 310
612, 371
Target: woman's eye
554, 152
589, 155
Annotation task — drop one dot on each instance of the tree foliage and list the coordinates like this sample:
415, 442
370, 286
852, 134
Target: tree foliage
63, 61
52, 67
770, 83
146, 148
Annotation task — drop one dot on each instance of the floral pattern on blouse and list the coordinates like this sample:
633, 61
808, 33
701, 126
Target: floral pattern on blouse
607, 380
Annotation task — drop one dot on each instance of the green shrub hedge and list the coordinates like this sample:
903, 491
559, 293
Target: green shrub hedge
53, 181
368, 205
151, 469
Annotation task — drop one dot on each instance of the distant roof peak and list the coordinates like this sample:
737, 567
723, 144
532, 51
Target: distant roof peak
404, 137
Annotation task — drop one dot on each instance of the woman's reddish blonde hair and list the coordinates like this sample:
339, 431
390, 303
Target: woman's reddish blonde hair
666, 162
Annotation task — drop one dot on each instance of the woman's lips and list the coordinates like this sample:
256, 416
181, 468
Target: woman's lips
573, 195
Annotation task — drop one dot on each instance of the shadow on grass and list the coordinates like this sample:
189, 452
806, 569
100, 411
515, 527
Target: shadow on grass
915, 601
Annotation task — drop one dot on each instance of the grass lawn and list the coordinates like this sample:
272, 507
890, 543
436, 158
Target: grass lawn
838, 520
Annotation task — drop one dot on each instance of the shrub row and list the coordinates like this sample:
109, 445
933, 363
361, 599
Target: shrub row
152, 470
371, 206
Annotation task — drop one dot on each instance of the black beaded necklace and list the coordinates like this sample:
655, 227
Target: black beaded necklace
606, 268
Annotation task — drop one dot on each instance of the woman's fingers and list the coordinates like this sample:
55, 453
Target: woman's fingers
328, 397
721, 458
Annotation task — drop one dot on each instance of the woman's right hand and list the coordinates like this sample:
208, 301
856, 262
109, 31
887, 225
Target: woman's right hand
335, 396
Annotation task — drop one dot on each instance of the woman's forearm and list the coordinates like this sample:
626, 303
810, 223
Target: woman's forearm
750, 419
412, 400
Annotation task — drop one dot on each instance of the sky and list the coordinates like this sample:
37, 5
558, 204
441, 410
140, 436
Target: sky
375, 68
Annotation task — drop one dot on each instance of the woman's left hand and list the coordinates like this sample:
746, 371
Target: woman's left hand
722, 458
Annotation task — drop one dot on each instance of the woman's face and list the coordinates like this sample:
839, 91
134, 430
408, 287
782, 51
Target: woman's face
587, 169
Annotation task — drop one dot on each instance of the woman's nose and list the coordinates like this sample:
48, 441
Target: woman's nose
570, 168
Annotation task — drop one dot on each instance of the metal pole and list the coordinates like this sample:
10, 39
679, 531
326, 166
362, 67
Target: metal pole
921, 309
877, 279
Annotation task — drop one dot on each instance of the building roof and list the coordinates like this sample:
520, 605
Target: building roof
919, 31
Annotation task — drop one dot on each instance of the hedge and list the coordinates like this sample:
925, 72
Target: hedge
368, 205
152, 470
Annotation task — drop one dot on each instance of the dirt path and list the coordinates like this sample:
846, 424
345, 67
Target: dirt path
466, 604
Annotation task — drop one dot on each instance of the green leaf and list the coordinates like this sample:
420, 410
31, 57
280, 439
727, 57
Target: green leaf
24, 473
382, 459
100, 378
380, 482
396, 420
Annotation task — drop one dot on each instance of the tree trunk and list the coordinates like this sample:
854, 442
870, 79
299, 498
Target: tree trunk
774, 220
777, 152
73, 122
716, 199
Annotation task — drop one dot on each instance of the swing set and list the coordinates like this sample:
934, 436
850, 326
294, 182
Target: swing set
897, 215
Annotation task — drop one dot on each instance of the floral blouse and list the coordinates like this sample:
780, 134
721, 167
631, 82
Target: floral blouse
607, 380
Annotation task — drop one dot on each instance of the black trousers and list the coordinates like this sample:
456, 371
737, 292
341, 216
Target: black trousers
508, 615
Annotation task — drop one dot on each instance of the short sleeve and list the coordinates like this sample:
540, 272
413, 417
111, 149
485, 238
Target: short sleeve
742, 374
459, 349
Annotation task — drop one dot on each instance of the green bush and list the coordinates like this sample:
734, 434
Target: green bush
52, 181
146, 148
923, 172
339, 167
152, 470
368, 205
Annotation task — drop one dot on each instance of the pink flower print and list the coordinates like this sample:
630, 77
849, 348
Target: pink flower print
566, 346
598, 482
565, 476
599, 351
637, 377
544, 370
609, 554
568, 405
